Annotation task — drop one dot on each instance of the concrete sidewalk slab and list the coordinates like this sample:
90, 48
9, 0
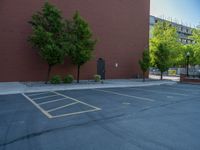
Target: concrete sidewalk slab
25, 87
11, 87
172, 78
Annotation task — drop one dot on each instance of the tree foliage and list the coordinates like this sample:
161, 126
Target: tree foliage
196, 46
181, 56
82, 44
164, 32
165, 37
162, 56
49, 35
145, 62
192, 48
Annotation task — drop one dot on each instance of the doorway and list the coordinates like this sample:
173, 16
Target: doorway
101, 68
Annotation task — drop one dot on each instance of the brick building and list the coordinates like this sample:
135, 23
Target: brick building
121, 27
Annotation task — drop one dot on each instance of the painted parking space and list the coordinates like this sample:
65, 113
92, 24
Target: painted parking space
178, 89
153, 94
67, 103
124, 95
161, 92
185, 88
55, 105
111, 102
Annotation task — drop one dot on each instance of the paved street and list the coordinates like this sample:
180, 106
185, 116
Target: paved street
161, 117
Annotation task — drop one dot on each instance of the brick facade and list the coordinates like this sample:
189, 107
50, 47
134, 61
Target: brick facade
121, 27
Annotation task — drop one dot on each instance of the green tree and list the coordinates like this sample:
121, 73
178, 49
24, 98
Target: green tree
196, 45
193, 49
183, 54
49, 35
82, 44
145, 62
162, 55
164, 32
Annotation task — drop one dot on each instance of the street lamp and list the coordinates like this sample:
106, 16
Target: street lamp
188, 59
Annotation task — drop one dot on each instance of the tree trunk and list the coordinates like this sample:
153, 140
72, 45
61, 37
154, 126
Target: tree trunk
78, 73
143, 76
49, 71
161, 76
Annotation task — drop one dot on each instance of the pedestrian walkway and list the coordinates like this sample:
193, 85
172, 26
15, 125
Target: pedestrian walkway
27, 87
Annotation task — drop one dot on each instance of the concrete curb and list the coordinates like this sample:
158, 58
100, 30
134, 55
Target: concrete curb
17, 88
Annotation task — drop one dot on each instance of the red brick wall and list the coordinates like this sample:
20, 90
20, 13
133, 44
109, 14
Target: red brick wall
185, 79
121, 27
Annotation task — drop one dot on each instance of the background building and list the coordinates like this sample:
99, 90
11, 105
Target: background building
183, 31
121, 27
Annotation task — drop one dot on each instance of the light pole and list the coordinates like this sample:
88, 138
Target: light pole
188, 59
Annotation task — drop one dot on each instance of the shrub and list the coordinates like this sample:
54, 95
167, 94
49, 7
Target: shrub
68, 79
55, 79
97, 78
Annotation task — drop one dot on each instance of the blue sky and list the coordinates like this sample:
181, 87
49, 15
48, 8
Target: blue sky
185, 11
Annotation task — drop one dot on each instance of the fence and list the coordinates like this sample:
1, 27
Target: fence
193, 72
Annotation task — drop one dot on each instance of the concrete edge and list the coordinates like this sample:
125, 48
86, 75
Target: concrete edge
26, 90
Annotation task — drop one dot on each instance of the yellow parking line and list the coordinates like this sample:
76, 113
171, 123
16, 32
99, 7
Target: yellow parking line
44, 97
43, 103
57, 108
37, 106
36, 94
75, 113
77, 100
47, 112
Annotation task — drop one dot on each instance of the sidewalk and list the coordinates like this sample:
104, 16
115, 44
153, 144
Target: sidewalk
172, 78
24, 87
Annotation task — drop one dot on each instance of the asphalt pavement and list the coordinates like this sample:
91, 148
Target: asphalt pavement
162, 117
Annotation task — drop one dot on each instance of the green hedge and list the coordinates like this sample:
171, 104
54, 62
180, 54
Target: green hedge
68, 79
97, 78
56, 79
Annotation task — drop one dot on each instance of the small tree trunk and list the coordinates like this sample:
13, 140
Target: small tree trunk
78, 73
143, 76
161, 76
49, 71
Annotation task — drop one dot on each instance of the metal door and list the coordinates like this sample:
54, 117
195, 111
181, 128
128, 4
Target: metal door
101, 68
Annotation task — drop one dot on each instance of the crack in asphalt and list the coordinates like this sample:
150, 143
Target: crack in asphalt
28, 136
126, 137
9, 126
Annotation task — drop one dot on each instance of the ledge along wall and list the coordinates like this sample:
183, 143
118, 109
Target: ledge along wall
121, 27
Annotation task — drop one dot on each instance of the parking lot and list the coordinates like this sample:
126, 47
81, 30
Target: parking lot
165, 117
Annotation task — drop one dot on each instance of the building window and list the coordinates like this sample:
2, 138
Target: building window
181, 28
